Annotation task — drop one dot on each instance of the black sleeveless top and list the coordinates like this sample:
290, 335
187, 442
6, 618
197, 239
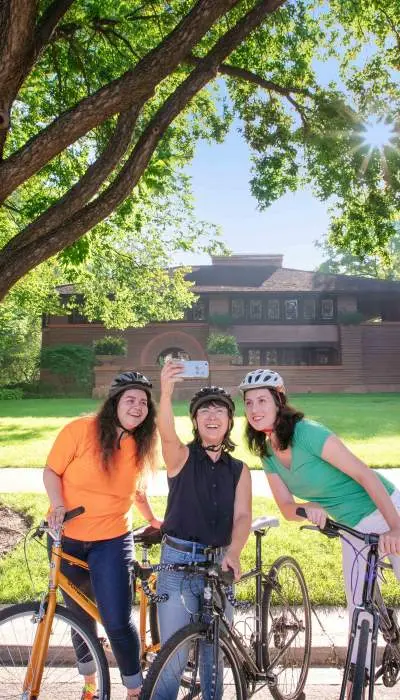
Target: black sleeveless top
201, 498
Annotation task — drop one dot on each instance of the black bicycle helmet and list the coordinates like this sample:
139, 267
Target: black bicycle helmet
129, 380
211, 393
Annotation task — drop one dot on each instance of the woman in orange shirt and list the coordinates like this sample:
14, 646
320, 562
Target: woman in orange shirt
100, 462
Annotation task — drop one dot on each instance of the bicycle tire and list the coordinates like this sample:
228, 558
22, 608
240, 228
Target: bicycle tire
190, 636
359, 670
286, 608
60, 675
153, 622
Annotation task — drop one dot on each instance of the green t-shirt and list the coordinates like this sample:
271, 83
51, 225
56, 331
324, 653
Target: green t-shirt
311, 478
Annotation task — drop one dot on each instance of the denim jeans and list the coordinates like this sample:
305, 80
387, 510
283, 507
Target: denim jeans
182, 607
109, 583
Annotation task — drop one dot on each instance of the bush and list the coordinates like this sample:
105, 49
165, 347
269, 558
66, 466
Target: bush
110, 345
351, 318
220, 344
73, 363
8, 394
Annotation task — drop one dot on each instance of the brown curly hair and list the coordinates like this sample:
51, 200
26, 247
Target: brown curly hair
144, 436
285, 422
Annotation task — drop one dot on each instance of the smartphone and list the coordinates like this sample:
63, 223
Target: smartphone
193, 369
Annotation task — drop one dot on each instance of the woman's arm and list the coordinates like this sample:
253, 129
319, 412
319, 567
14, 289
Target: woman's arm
175, 453
287, 505
241, 523
53, 485
142, 504
339, 456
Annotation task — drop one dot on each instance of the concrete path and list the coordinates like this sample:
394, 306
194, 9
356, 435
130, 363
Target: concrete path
30, 481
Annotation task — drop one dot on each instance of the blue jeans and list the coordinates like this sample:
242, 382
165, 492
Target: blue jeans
175, 613
109, 583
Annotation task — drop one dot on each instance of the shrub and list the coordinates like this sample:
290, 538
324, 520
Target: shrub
351, 318
8, 394
110, 345
74, 363
220, 344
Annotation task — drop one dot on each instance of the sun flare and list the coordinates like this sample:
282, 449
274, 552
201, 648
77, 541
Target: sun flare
377, 133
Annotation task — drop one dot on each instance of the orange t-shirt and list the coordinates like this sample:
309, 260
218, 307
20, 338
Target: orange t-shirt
106, 496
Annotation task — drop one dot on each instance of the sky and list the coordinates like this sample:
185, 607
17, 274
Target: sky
220, 181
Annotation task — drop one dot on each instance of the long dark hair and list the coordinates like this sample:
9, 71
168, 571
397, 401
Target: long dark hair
144, 436
285, 422
227, 444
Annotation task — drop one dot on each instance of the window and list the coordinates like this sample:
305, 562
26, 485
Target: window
309, 311
291, 311
271, 357
327, 308
172, 354
255, 309
199, 311
255, 357
273, 310
237, 308
290, 356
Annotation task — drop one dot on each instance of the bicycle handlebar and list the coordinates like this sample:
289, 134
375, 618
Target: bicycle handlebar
69, 515
333, 529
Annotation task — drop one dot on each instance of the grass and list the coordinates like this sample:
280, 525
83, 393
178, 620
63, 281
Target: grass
368, 423
319, 557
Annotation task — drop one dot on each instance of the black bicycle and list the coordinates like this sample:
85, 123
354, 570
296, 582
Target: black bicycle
273, 652
370, 617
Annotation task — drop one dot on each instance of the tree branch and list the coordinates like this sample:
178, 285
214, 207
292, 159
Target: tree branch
40, 250
83, 191
133, 87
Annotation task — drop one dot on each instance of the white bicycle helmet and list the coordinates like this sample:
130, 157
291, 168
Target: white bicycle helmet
260, 378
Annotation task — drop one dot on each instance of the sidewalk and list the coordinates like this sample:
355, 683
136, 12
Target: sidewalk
13, 480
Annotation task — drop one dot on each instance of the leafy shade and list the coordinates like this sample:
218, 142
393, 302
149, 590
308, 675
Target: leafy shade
102, 104
220, 344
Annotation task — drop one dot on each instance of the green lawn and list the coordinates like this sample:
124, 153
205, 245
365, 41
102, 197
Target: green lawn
319, 557
368, 423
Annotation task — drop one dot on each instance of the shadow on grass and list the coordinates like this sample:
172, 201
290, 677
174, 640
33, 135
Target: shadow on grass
15, 433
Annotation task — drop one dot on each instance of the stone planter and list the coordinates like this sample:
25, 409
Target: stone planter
220, 359
113, 360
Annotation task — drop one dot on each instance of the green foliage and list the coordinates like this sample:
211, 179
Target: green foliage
385, 265
70, 362
220, 320
110, 345
351, 318
8, 393
221, 344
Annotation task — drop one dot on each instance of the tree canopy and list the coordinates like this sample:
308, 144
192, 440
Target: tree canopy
101, 105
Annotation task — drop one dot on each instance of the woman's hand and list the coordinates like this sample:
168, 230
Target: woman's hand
389, 542
315, 514
55, 517
155, 522
170, 374
231, 561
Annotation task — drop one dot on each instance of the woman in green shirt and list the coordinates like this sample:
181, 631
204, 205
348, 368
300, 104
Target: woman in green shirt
305, 459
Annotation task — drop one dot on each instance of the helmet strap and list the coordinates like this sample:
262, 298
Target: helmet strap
212, 448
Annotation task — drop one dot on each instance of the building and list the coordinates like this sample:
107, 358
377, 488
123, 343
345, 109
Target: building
323, 332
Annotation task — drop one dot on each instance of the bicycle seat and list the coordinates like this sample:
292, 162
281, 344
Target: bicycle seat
147, 535
264, 521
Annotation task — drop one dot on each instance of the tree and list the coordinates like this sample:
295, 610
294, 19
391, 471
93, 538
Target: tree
133, 85
339, 262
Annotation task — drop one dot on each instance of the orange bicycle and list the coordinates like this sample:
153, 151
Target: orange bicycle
37, 656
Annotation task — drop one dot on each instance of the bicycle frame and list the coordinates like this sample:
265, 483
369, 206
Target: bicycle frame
57, 579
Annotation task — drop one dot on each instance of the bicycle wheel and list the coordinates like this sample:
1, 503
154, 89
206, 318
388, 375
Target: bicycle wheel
359, 671
61, 678
286, 628
176, 669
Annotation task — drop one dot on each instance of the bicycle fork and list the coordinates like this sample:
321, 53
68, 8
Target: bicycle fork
371, 616
44, 620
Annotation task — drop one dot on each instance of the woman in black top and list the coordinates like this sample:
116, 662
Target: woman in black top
209, 502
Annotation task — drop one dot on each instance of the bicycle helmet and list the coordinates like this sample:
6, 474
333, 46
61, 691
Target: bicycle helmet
211, 393
260, 378
129, 380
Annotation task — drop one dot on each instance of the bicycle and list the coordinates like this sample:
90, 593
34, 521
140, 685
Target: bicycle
275, 654
37, 657
369, 617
